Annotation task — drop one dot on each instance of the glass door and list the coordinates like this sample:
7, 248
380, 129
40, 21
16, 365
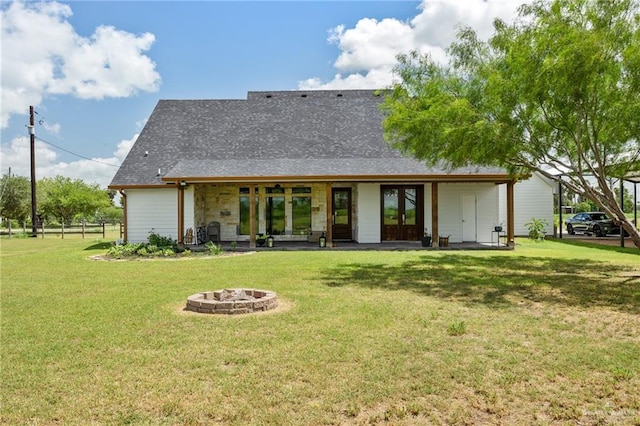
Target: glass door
341, 214
401, 213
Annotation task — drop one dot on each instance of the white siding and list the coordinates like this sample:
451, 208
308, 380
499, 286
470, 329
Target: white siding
449, 213
189, 208
368, 213
533, 198
154, 210
450, 209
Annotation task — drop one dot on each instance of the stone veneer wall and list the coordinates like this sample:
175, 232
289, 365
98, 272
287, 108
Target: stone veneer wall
220, 203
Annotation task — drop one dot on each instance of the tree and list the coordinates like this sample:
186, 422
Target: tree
63, 198
557, 91
111, 214
15, 197
627, 204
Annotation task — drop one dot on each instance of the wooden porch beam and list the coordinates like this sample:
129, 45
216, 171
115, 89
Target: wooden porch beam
434, 214
252, 216
329, 224
180, 213
124, 214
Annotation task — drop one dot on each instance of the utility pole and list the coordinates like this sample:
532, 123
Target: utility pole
32, 135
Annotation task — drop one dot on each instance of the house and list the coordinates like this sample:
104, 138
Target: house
533, 198
293, 164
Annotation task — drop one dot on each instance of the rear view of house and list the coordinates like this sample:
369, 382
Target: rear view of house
295, 164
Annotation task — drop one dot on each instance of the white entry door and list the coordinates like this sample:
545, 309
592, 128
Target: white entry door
469, 218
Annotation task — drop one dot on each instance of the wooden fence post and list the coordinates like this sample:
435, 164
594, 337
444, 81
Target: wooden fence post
42, 228
62, 236
104, 230
9, 228
83, 223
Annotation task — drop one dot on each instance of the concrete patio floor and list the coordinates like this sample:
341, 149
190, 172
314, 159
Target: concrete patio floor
347, 245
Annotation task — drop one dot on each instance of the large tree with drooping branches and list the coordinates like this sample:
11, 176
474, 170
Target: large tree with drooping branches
556, 91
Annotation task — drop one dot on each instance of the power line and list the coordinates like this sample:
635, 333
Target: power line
73, 153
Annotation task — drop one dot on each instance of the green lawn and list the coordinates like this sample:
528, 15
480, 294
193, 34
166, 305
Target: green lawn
546, 334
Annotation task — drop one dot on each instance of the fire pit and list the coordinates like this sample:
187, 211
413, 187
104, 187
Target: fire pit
232, 301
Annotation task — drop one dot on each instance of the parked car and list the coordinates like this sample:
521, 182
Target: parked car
591, 223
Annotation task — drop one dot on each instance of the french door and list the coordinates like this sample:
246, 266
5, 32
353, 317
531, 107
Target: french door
402, 215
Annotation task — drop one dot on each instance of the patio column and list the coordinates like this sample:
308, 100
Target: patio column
510, 214
434, 214
181, 186
329, 224
124, 213
621, 208
252, 216
560, 208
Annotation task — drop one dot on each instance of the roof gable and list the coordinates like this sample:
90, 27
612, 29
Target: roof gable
270, 134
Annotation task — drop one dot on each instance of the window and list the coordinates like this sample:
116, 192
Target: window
245, 212
301, 210
274, 211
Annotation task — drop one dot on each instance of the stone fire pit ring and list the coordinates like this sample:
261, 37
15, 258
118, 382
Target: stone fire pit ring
232, 301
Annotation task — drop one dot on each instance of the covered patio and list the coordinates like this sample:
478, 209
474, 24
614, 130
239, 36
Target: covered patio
245, 246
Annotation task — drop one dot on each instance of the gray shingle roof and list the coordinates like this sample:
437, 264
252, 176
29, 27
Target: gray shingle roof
271, 134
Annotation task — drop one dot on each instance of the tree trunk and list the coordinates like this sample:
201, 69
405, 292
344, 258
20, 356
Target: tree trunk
631, 229
608, 203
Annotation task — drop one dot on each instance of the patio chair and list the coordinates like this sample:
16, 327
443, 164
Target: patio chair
213, 232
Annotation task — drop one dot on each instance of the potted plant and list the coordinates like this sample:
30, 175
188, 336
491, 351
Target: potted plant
260, 240
426, 238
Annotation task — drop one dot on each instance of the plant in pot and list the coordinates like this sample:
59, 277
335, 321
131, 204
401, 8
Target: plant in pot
426, 238
261, 239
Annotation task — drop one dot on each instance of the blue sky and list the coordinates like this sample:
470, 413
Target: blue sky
95, 70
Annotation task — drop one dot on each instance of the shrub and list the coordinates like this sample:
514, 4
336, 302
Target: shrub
536, 228
212, 248
119, 251
160, 241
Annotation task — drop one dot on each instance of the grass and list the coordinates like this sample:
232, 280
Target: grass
546, 334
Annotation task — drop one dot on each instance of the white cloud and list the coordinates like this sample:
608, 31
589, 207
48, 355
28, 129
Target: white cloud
17, 155
368, 51
43, 55
54, 129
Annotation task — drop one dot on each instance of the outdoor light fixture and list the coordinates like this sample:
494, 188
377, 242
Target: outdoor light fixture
322, 241
270, 241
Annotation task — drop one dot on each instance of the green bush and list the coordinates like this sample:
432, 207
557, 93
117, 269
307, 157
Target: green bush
537, 228
160, 241
212, 248
585, 206
158, 246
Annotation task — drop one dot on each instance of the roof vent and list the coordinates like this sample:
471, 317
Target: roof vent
339, 95
304, 95
269, 96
